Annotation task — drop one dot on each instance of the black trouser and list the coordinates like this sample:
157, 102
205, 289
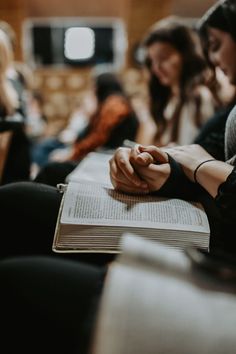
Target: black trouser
48, 305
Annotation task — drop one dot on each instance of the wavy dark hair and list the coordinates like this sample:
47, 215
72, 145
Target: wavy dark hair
186, 41
221, 15
106, 84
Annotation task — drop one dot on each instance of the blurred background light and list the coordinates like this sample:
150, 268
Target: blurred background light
79, 43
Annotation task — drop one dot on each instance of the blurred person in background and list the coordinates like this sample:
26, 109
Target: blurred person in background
36, 120
113, 121
12, 115
177, 73
18, 72
48, 148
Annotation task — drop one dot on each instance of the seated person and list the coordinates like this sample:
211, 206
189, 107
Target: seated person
12, 116
181, 100
113, 121
49, 148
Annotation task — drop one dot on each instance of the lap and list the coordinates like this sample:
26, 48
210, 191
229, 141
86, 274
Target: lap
49, 303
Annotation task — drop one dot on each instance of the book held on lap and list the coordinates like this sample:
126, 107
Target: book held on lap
93, 217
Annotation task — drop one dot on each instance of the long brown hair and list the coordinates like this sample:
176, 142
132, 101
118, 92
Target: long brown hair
185, 40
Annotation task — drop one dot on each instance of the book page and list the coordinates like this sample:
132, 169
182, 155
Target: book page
161, 310
94, 204
136, 251
93, 167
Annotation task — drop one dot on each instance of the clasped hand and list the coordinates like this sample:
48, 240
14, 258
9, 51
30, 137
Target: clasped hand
146, 169
139, 170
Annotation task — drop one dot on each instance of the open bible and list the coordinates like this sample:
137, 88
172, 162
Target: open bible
155, 302
93, 217
94, 167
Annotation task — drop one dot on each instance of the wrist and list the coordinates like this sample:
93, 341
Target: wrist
198, 167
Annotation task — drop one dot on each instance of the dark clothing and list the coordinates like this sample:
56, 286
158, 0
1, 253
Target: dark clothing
55, 172
48, 305
19, 86
221, 211
28, 218
212, 134
17, 165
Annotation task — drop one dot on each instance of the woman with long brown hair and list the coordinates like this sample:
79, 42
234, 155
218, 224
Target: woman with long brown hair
180, 100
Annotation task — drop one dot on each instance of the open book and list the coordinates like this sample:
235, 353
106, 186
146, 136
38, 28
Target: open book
93, 217
155, 302
93, 167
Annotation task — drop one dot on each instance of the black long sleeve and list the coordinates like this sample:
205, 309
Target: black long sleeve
221, 211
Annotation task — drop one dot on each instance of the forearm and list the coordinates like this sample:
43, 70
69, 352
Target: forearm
201, 168
212, 174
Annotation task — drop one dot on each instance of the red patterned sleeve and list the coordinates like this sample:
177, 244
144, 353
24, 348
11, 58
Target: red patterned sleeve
113, 111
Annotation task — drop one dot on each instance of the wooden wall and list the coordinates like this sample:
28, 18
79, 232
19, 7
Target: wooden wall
138, 15
191, 8
14, 12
